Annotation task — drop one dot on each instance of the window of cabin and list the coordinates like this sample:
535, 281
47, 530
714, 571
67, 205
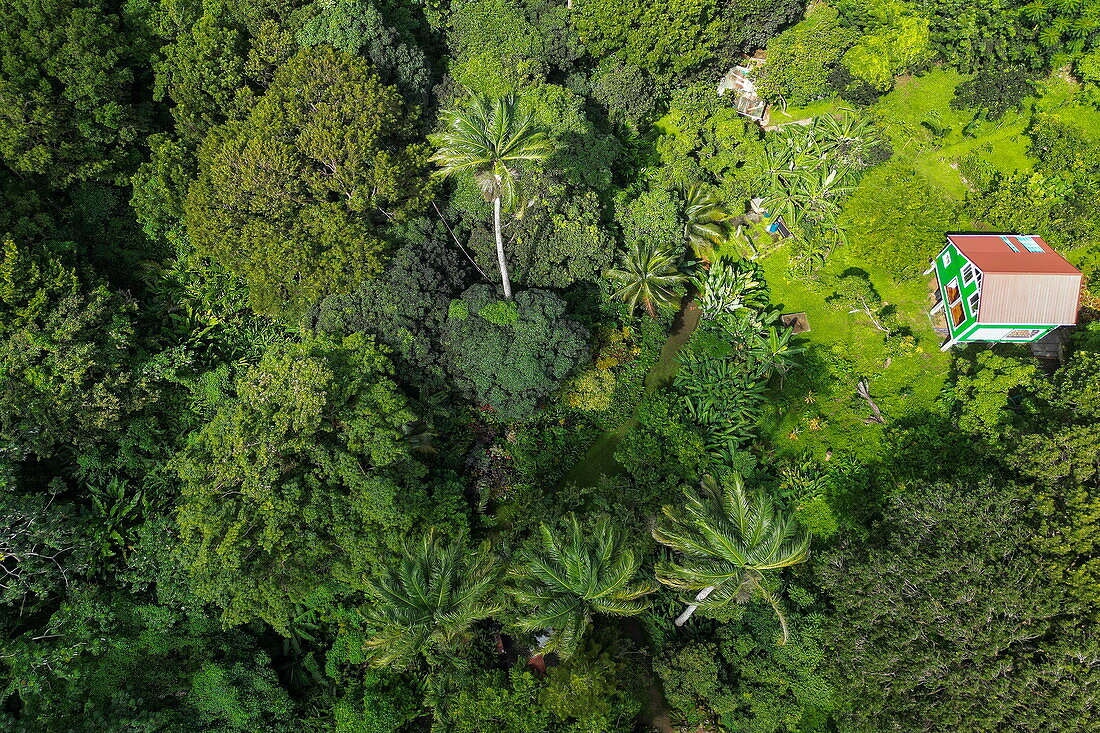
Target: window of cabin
1030, 244
953, 294
946, 260
968, 273
974, 299
957, 315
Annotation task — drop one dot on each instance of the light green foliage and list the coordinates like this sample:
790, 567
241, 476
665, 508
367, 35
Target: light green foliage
573, 574
800, 58
853, 292
291, 198
586, 689
647, 276
728, 286
665, 39
1088, 66
708, 142
980, 396
293, 485
655, 215
497, 49
894, 38
423, 603
160, 189
512, 366
1060, 200
591, 390
66, 355
69, 108
495, 700
236, 697
501, 313
895, 219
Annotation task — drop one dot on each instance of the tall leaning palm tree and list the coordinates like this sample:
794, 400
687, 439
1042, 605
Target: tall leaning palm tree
727, 540
489, 139
571, 577
425, 603
647, 275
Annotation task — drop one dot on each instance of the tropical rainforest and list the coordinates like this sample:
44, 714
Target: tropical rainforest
378, 366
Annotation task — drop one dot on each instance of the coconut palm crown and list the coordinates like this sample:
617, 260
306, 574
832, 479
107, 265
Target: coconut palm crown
707, 224
727, 538
573, 575
425, 603
647, 275
488, 139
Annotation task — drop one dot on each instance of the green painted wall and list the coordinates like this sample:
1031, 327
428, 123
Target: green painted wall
949, 266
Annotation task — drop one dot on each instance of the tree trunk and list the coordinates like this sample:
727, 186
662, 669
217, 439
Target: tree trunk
702, 596
500, 250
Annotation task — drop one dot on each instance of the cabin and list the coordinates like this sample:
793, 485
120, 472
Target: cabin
1003, 287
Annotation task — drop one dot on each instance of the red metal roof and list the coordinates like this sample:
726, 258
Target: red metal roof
991, 254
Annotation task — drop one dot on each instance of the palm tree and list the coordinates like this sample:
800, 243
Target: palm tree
567, 579
728, 540
707, 224
489, 139
649, 275
425, 603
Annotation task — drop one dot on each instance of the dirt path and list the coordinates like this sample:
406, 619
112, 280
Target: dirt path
600, 458
655, 716
600, 461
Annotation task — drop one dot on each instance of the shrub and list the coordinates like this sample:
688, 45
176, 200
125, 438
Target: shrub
800, 58
511, 355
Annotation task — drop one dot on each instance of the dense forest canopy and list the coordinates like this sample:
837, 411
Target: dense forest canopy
381, 366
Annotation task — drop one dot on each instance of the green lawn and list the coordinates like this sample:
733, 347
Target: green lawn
934, 138
818, 409
813, 109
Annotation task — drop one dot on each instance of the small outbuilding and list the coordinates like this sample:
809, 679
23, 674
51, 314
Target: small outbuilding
739, 81
1003, 287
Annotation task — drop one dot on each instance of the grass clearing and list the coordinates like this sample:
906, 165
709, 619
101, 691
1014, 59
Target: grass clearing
828, 106
818, 409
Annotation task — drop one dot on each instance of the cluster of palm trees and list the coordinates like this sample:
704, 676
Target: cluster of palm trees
723, 539
651, 275
814, 167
